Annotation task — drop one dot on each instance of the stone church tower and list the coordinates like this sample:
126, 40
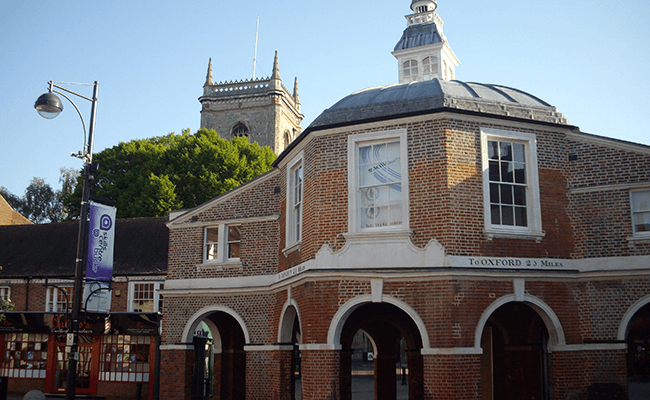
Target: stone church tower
262, 109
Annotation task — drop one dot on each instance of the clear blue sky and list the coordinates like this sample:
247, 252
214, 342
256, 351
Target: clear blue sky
589, 58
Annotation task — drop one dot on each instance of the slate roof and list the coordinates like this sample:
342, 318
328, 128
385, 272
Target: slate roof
415, 98
418, 35
49, 250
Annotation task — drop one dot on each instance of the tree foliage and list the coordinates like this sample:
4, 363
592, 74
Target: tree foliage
150, 177
40, 203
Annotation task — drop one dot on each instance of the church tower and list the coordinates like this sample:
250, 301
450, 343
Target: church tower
423, 52
262, 109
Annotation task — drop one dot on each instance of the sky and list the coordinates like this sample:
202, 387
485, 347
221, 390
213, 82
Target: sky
588, 58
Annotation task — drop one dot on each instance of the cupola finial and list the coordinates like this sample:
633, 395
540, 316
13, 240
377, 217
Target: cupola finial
421, 6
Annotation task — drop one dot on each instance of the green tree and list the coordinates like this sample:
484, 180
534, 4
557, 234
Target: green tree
14, 201
150, 177
40, 203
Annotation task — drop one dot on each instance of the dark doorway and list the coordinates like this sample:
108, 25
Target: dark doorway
515, 358
371, 354
230, 364
638, 354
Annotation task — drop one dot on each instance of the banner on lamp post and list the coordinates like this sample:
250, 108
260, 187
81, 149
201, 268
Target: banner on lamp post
99, 260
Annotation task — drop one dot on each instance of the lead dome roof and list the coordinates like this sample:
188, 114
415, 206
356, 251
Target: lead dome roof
415, 98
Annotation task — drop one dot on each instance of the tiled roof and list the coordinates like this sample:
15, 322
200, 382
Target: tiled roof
9, 216
49, 250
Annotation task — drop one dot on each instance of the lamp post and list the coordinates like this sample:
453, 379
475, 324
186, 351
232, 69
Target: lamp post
49, 106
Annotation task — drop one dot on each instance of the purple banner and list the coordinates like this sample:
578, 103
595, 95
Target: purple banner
99, 261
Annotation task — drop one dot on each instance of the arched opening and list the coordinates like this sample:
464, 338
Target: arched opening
638, 352
515, 359
377, 340
240, 129
229, 359
290, 334
287, 138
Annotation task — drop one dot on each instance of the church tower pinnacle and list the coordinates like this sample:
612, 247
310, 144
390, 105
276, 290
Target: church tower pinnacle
261, 109
423, 52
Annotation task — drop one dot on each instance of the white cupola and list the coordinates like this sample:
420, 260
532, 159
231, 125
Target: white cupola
422, 6
423, 52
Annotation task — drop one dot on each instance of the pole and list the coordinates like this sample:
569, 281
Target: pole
82, 250
257, 29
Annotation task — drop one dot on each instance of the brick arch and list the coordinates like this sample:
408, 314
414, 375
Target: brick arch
546, 313
200, 315
624, 327
342, 315
289, 313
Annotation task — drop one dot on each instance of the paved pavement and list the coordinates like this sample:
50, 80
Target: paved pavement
363, 388
639, 390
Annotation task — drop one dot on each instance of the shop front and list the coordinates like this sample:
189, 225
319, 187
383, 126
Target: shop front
116, 353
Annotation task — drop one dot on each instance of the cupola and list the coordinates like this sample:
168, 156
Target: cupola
423, 52
422, 6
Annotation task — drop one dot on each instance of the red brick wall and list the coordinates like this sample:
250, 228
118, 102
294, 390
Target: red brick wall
176, 368
452, 377
260, 240
574, 371
321, 375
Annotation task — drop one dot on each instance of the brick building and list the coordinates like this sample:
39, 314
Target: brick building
469, 234
117, 349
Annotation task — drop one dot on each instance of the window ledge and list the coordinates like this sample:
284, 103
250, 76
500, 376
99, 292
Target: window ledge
292, 248
638, 239
492, 234
375, 235
218, 266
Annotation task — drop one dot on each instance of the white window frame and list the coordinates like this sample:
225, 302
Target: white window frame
408, 71
54, 296
295, 203
5, 293
354, 142
533, 210
156, 294
634, 212
429, 68
222, 244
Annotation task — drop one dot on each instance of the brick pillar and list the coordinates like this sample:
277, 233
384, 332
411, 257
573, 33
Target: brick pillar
574, 371
216, 381
233, 375
385, 377
415, 374
176, 373
346, 374
268, 372
320, 375
452, 377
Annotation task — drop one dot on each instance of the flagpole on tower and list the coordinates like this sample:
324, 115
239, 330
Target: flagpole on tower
257, 29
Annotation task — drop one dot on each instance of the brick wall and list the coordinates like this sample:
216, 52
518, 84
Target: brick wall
176, 373
259, 246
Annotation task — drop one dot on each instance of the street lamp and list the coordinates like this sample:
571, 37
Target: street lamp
49, 106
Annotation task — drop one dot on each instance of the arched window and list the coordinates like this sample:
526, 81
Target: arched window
287, 138
429, 68
410, 71
240, 130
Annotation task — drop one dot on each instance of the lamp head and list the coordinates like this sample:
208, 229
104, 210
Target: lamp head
48, 105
